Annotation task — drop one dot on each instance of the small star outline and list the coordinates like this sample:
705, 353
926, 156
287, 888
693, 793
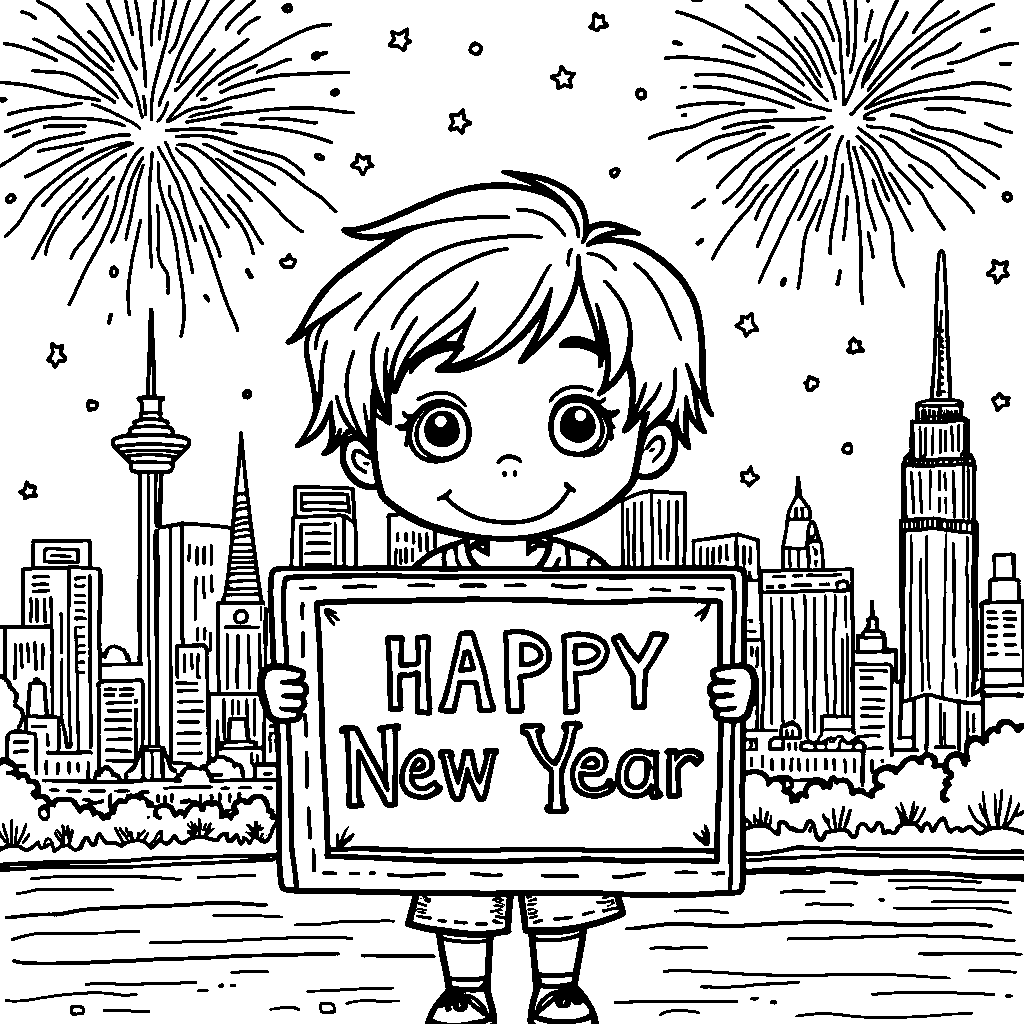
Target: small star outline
855, 347
1000, 401
29, 491
811, 383
747, 325
57, 355
458, 122
999, 271
562, 78
400, 39
362, 163
749, 477
598, 22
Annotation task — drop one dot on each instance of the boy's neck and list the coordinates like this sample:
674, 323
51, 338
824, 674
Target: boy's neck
505, 551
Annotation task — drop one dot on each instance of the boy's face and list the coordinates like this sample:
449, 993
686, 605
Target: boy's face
510, 449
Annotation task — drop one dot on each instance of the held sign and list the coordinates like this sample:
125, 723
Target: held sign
496, 731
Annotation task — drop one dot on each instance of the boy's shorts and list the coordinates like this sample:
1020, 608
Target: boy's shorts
491, 914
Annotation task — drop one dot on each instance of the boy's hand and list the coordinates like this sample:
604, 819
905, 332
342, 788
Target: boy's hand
283, 691
731, 690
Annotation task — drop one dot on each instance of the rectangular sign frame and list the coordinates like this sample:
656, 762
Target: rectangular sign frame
305, 864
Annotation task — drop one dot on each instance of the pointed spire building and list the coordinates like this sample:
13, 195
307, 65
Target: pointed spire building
801, 542
939, 558
241, 624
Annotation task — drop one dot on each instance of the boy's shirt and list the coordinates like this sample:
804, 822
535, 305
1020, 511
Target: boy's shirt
551, 553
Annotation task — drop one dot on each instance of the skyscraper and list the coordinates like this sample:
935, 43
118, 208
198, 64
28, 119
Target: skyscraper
801, 541
189, 733
408, 542
324, 525
241, 623
737, 551
151, 447
120, 732
1002, 659
27, 654
63, 591
192, 564
654, 528
876, 693
808, 630
939, 558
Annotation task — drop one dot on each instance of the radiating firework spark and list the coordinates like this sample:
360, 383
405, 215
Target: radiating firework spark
157, 128
845, 121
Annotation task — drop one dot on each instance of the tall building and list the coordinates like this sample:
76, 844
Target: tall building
121, 725
192, 562
801, 541
324, 526
241, 624
654, 529
26, 653
151, 447
737, 551
63, 591
189, 699
808, 649
939, 559
876, 692
408, 542
1002, 659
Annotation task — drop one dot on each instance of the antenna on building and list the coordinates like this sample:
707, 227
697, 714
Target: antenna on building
942, 368
151, 358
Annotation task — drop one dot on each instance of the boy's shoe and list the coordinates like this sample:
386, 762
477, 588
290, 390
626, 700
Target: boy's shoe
463, 1006
566, 1004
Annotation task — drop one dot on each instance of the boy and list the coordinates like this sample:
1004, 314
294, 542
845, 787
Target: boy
500, 369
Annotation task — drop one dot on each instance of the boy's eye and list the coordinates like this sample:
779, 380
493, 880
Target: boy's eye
439, 432
579, 427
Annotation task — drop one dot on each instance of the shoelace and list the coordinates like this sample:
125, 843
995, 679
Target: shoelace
456, 1000
568, 995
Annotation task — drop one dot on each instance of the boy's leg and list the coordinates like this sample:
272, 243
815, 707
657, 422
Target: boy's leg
465, 927
557, 926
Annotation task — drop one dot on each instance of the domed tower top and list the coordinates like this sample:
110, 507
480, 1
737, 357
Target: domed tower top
801, 542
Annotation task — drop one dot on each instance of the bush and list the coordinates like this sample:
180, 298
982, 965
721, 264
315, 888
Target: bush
985, 784
13, 835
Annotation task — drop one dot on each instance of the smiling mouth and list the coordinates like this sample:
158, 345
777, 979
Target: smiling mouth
447, 496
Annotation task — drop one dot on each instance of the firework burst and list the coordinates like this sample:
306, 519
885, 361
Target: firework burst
156, 131
845, 122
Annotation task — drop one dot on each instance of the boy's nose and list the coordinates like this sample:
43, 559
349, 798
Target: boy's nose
507, 464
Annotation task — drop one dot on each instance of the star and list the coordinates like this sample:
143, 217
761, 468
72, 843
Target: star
999, 271
856, 347
562, 78
749, 477
811, 384
598, 22
400, 39
1000, 401
458, 122
29, 491
362, 164
746, 325
56, 356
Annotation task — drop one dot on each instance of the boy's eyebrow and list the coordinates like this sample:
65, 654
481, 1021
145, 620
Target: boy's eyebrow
441, 394
586, 344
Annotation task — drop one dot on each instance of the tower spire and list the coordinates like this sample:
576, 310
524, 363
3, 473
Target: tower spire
151, 358
942, 368
242, 584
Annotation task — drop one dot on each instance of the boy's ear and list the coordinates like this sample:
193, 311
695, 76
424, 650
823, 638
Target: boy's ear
358, 463
658, 451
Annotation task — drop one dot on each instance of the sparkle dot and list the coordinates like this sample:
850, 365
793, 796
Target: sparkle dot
317, 54
247, 394
248, 273
206, 298
319, 157
10, 199
113, 272
1007, 197
475, 49
110, 319
641, 94
287, 8
91, 405
700, 241
335, 92
847, 448
784, 282
614, 172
